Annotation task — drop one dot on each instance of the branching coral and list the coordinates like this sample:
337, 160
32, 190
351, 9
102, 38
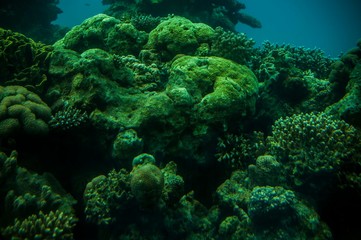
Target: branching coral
310, 144
233, 46
237, 151
52, 225
106, 196
68, 118
287, 57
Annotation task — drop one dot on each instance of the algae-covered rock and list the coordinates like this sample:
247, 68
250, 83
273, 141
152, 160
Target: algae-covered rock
178, 35
107, 33
218, 88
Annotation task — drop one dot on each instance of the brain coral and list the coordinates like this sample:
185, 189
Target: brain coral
147, 183
22, 111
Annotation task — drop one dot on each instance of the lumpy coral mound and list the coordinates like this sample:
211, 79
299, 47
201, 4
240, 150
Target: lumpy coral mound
147, 183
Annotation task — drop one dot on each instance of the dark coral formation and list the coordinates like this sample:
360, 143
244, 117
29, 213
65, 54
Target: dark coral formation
147, 183
33, 205
33, 20
215, 13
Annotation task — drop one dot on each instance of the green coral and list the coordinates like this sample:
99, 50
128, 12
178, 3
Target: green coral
267, 171
127, 145
27, 193
106, 196
147, 182
237, 151
52, 225
277, 213
269, 204
7, 165
22, 111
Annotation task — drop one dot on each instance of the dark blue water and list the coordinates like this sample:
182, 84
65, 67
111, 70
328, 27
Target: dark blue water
331, 25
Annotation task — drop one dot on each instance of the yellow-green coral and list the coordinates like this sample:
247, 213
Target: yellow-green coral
22, 61
52, 225
22, 111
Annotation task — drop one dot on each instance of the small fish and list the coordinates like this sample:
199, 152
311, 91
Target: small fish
87, 4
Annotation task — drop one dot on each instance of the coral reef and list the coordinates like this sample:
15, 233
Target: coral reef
167, 129
266, 172
292, 80
104, 196
127, 145
237, 151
